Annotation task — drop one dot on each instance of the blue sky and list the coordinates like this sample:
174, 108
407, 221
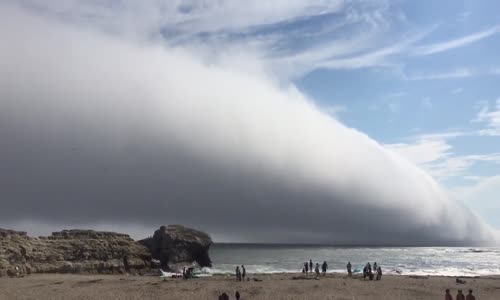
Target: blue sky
420, 77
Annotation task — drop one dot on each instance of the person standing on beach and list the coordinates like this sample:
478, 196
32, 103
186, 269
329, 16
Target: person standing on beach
243, 272
460, 296
375, 267
470, 296
349, 269
238, 273
379, 273
306, 266
324, 267
311, 265
447, 296
316, 269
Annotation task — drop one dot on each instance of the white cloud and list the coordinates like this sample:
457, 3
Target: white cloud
459, 73
148, 133
491, 118
456, 43
457, 91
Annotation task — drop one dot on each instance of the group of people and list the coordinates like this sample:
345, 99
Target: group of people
308, 267
368, 271
460, 295
240, 274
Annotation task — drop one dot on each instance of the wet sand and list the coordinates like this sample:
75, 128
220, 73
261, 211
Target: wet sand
276, 286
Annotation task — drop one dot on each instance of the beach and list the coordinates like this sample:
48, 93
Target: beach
268, 286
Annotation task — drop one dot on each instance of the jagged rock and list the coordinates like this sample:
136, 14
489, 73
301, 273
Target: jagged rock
178, 244
71, 251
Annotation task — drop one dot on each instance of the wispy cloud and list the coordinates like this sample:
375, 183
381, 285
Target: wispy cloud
459, 73
491, 118
457, 91
456, 43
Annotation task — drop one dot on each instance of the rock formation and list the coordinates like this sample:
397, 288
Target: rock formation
71, 251
88, 251
177, 244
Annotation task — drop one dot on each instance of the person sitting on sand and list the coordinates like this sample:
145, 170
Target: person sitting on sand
349, 268
324, 267
311, 265
447, 295
237, 295
238, 273
379, 273
243, 272
460, 296
306, 266
470, 296
316, 269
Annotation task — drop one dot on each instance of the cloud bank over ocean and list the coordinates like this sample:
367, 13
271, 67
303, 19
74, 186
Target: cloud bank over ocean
99, 128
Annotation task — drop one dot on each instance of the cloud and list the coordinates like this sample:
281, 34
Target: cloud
100, 129
491, 118
459, 73
456, 43
482, 196
457, 91
434, 153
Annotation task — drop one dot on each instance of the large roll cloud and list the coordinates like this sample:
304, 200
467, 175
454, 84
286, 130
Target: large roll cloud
96, 129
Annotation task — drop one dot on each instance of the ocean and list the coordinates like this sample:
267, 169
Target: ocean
261, 258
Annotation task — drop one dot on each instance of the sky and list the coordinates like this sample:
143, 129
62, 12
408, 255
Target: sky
284, 121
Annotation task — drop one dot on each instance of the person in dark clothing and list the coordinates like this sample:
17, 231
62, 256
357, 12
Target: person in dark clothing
238, 273
224, 296
375, 267
470, 296
316, 269
311, 265
460, 296
306, 266
324, 267
237, 295
379, 273
243, 272
349, 268
365, 272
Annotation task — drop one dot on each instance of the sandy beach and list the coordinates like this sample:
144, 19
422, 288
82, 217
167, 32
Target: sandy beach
276, 286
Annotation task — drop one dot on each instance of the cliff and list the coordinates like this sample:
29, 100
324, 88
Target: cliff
89, 251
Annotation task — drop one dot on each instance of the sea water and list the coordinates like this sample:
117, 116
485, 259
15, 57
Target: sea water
259, 258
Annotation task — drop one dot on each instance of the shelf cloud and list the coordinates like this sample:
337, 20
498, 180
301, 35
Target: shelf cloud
96, 128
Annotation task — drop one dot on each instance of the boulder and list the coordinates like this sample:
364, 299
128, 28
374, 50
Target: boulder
177, 244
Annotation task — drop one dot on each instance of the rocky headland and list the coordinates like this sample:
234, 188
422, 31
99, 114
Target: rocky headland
98, 252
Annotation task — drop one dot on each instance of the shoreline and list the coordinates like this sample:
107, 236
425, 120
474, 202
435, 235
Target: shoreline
265, 286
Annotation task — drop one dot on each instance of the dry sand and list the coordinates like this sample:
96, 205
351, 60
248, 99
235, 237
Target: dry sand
277, 286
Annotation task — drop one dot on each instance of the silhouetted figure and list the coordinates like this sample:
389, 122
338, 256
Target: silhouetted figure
238, 273
470, 296
460, 296
237, 295
349, 268
316, 269
379, 273
365, 272
304, 270
243, 272
447, 295
224, 296
306, 266
311, 265
375, 267
369, 267
324, 267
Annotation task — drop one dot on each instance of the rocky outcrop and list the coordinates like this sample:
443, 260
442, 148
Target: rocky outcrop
89, 251
71, 251
178, 244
